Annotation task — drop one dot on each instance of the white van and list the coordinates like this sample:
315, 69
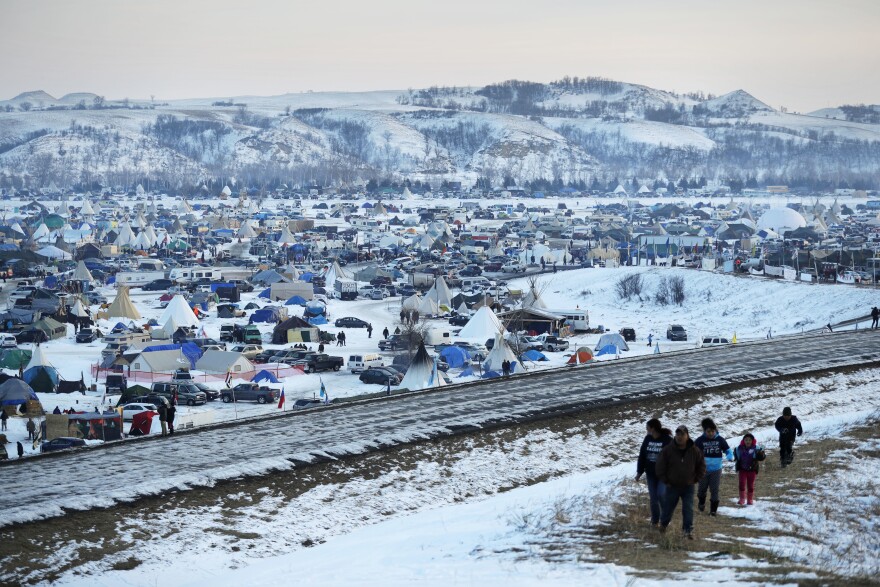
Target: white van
357, 363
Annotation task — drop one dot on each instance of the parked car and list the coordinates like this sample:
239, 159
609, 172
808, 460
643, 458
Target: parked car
350, 322
267, 355
31, 335
62, 443
250, 351
459, 320
379, 293
7, 341
184, 393
513, 267
676, 332
715, 341
158, 285
94, 298
553, 344
396, 342
129, 411
86, 335
628, 334
380, 376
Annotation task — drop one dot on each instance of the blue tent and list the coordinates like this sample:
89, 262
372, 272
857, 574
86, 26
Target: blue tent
491, 374
455, 356
532, 355
317, 320
608, 349
306, 276
42, 378
267, 314
190, 350
264, 376
266, 293
467, 372
295, 301
14, 392
50, 282
366, 205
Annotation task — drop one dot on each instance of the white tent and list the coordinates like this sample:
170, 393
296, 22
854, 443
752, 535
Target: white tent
41, 231
333, 273
440, 293
422, 372
246, 231
428, 307
125, 236
412, 302
87, 209
82, 272
122, 306
51, 252
78, 309
286, 237
482, 326
500, 352
533, 300
179, 310
612, 338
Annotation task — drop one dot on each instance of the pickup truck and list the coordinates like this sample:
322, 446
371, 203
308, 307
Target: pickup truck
319, 362
397, 342
250, 392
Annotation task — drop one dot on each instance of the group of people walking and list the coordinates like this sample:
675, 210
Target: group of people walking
677, 466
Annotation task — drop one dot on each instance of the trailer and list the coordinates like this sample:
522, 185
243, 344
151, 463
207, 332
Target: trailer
138, 278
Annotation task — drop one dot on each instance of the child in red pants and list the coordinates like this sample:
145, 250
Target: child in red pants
747, 456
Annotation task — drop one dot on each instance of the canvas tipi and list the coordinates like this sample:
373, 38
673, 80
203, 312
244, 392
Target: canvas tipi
122, 306
422, 372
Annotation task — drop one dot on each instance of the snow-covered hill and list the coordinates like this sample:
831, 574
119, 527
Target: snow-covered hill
572, 129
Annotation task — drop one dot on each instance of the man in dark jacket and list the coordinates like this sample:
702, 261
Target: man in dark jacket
163, 417
680, 466
788, 426
654, 442
169, 415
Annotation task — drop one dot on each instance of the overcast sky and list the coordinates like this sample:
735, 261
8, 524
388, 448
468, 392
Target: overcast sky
802, 54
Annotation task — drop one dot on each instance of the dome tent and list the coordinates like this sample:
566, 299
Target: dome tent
781, 220
14, 392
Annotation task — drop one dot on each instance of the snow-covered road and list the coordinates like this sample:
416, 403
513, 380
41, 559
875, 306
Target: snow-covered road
127, 470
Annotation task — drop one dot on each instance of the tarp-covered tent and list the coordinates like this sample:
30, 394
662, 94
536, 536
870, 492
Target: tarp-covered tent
534, 355
455, 356
14, 358
264, 376
294, 329
14, 392
268, 314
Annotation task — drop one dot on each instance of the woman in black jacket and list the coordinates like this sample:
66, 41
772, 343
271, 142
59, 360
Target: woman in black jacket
654, 441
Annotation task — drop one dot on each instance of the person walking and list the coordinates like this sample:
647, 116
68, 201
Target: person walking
369, 331
163, 417
680, 466
655, 440
788, 427
385, 333
748, 455
650, 338
714, 448
320, 347
169, 415
31, 429
875, 317
3, 418
339, 338
342, 337
20, 448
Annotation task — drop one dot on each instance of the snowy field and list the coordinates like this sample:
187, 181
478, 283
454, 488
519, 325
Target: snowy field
447, 521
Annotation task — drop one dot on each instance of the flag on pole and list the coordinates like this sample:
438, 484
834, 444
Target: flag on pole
323, 394
281, 400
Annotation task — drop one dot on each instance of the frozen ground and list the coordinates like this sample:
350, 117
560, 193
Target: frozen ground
473, 516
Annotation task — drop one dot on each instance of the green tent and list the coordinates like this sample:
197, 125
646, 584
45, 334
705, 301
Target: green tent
179, 245
14, 358
132, 392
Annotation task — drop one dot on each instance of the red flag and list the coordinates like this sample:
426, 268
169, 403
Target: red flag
281, 399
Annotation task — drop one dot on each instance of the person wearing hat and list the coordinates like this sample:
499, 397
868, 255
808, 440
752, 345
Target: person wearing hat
680, 466
788, 426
